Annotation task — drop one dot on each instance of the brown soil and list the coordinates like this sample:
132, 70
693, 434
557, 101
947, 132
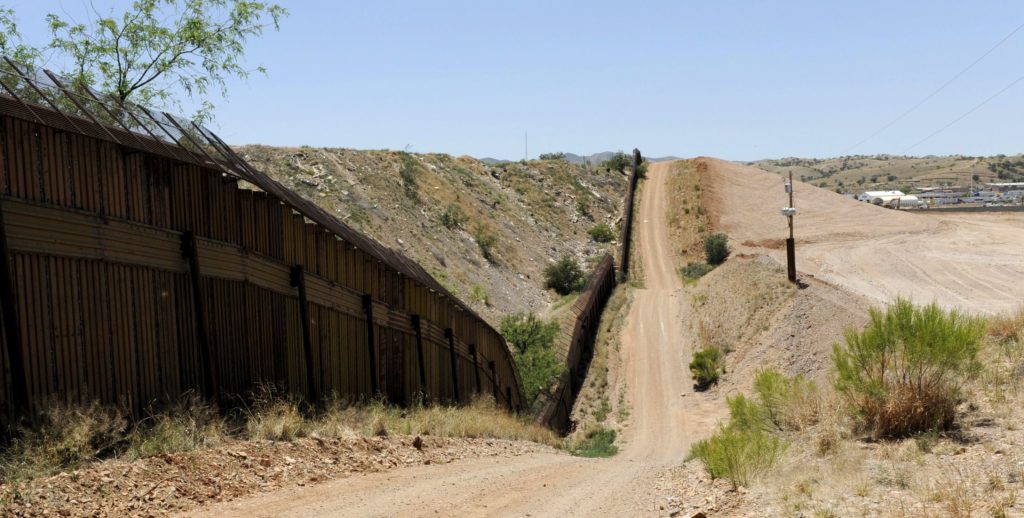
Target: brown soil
970, 261
666, 417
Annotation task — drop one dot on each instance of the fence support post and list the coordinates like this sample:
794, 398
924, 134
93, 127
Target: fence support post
12, 331
371, 349
494, 380
417, 326
190, 251
627, 218
455, 371
508, 397
476, 368
299, 281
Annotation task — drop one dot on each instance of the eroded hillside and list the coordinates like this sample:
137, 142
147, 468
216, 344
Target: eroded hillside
484, 231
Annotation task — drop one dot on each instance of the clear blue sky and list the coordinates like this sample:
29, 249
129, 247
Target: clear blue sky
736, 79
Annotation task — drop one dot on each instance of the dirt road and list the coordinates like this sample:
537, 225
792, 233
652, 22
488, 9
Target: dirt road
662, 426
971, 261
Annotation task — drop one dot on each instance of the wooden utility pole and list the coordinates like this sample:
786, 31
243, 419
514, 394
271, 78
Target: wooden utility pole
789, 212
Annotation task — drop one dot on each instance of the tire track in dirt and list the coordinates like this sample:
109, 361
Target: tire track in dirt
662, 426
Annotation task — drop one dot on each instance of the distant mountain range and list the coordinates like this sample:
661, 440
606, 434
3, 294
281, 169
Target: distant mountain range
573, 158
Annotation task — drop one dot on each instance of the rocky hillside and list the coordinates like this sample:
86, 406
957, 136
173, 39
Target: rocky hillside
484, 231
884, 172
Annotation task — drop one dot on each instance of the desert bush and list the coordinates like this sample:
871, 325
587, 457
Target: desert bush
706, 367
597, 441
902, 374
65, 437
565, 276
538, 368
1006, 328
525, 331
790, 403
486, 240
409, 171
453, 217
742, 449
479, 295
551, 156
695, 270
618, 162
189, 425
716, 248
532, 342
602, 233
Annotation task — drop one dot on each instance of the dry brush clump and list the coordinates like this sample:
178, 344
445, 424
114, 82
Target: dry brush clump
67, 437
904, 372
751, 443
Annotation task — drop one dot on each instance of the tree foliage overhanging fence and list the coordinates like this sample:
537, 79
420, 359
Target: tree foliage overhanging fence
134, 267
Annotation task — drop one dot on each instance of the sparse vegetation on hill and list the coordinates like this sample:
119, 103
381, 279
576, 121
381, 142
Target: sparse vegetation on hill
496, 226
850, 174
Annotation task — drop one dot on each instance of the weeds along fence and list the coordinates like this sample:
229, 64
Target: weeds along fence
555, 407
136, 266
626, 236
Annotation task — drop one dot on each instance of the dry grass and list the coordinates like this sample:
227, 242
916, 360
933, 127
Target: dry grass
67, 436
282, 420
71, 436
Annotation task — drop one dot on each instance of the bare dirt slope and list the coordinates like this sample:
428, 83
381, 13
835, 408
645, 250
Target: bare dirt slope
667, 417
970, 261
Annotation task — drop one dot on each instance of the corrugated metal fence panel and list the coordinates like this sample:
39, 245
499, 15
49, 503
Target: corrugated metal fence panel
106, 304
555, 408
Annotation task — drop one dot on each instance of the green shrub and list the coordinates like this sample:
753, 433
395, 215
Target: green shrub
902, 374
479, 294
602, 233
453, 217
538, 368
409, 171
618, 162
564, 277
748, 446
551, 156
789, 403
533, 352
738, 454
696, 270
486, 240
524, 331
706, 367
597, 442
716, 248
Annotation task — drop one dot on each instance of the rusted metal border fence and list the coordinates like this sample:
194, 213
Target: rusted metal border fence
136, 268
555, 408
626, 232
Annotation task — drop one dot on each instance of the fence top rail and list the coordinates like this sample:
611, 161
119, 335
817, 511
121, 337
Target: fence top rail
58, 102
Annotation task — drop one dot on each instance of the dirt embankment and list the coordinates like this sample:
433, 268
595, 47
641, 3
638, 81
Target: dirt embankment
974, 262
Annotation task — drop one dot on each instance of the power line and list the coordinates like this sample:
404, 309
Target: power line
962, 117
936, 91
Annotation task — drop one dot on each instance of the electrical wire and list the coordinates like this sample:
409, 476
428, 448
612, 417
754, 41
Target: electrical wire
936, 91
962, 117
